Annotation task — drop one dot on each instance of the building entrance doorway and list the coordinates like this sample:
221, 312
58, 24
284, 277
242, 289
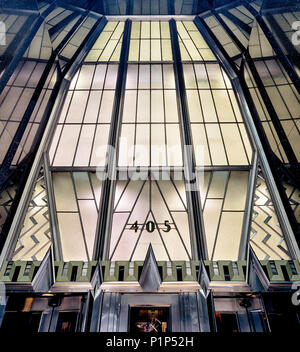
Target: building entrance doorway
149, 319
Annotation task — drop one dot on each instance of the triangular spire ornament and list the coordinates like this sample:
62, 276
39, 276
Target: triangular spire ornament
203, 280
150, 279
256, 277
44, 278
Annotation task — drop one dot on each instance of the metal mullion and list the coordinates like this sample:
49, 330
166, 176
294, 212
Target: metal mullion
165, 122
198, 239
57, 247
285, 216
247, 219
136, 111
104, 221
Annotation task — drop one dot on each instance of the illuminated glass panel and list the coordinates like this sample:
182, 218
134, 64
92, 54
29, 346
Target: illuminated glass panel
13, 24
266, 236
14, 100
35, 236
285, 21
224, 39
223, 198
82, 131
150, 41
61, 34
57, 15
150, 134
285, 100
219, 134
77, 197
78, 37
150, 212
108, 46
193, 46
242, 35
241, 13
40, 46
259, 45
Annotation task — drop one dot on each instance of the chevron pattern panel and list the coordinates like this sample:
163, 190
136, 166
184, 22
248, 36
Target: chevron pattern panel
266, 235
35, 236
6, 199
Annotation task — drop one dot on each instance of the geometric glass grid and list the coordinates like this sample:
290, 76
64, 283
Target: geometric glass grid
81, 135
218, 130
150, 212
14, 99
107, 47
150, 41
223, 198
150, 134
193, 46
284, 97
77, 197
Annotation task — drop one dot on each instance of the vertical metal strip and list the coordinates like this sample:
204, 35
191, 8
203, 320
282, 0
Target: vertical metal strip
108, 187
57, 248
193, 197
248, 210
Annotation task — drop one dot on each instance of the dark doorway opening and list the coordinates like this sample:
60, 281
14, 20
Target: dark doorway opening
149, 319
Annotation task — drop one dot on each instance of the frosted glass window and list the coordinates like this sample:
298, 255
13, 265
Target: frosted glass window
219, 135
193, 47
150, 212
77, 197
108, 45
150, 123
82, 132
150, 41
223, 197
